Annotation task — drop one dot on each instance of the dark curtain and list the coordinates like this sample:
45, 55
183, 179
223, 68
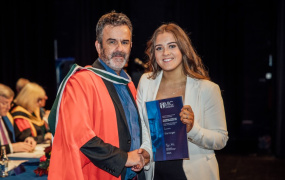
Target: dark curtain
27, 43
280, 91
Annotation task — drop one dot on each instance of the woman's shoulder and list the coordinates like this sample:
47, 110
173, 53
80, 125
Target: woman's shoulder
19, 109
146, 77
145, 80
205, 85
208, 83
209, 88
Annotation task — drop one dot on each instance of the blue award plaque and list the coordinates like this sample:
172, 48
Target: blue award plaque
168, 133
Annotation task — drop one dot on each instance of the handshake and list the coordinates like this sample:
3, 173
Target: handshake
137, 159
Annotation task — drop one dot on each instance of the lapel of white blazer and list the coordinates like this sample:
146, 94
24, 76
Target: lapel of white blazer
150, 95
153, 87
192, 96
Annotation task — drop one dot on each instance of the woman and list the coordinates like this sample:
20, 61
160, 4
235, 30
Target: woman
27, 116
176, 70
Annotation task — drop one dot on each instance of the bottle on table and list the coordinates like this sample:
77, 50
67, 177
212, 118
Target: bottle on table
4, 162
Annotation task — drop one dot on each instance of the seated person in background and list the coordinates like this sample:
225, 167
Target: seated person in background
27, 116
19, 86
7, 135
21, 83
44, 113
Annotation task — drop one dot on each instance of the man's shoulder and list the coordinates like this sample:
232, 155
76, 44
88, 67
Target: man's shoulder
84, 74
83, 78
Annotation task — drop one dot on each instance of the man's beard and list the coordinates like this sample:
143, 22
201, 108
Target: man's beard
112, 63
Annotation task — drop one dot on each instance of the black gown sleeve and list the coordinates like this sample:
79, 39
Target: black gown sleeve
21, 136
105, 156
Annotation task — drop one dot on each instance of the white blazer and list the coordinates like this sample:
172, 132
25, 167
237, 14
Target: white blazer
209, 132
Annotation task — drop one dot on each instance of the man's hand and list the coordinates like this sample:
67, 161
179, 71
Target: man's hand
46, 115
48, 136
135, 160
145, 155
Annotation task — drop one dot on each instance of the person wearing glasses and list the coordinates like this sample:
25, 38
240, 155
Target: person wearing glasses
7, 135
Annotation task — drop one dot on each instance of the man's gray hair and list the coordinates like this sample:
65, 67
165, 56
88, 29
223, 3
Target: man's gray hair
114, 19
6, 91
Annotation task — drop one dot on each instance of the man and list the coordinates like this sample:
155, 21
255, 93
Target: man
21, 83
98, 129
44, 113
7, 135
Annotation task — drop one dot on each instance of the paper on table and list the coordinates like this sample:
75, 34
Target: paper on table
37, 153
14, 163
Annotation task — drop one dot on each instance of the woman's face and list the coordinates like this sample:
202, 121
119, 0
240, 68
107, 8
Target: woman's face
167, 53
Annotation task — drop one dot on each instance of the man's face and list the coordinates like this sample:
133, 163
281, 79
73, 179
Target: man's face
42, 101
5, 105
116, 46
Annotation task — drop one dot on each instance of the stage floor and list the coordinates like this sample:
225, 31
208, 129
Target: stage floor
250, 167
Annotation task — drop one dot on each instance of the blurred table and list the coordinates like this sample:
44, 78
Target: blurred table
32, 163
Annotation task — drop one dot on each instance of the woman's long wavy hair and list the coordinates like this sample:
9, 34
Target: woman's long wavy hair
192, 63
